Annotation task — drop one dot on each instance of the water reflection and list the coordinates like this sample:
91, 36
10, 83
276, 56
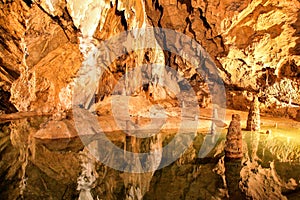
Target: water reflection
233, 177
34, 165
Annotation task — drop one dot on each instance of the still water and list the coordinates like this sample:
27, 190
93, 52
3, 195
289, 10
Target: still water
59, 166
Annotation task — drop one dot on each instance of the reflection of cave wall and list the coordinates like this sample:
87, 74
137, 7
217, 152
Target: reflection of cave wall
269, 169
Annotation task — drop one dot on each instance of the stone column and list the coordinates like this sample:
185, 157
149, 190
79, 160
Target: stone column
234, 142
253, 121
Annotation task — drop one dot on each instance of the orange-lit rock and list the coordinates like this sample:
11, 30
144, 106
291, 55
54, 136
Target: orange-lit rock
234, 142
253, 121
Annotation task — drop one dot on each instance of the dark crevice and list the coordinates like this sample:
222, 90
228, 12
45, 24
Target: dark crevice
204, 20
244, 62
28, 3
123, 19
122, 15
11, 75
206, 5
150, 20
234, 87
189, 23
186, 25
58, 21
2, 42
67, 16
291, 193
220, 67
161, 10
188, 4
5, 104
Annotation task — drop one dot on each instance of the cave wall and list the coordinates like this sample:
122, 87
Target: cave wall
254, 44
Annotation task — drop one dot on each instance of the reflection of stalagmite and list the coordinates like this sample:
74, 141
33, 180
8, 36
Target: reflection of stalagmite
253, 122
234, 141
137, 184
232, 174
213, 124
131, 144
254, 146
88, 174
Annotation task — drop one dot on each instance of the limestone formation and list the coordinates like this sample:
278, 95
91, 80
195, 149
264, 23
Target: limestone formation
234, 142
45, 42
255, 45
253, 121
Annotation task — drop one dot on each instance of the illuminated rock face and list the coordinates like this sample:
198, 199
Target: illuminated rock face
253, 121
234, 142
255, 45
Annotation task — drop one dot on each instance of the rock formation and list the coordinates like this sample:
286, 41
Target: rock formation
45, 42
253, 121
234, 141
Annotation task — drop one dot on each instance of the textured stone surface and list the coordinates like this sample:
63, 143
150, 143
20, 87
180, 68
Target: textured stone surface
253, 43
253, 121
234, 141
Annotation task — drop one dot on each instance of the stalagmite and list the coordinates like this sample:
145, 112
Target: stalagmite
253, 122
234, 143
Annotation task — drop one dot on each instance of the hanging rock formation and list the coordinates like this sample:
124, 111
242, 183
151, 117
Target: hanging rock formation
255, 45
